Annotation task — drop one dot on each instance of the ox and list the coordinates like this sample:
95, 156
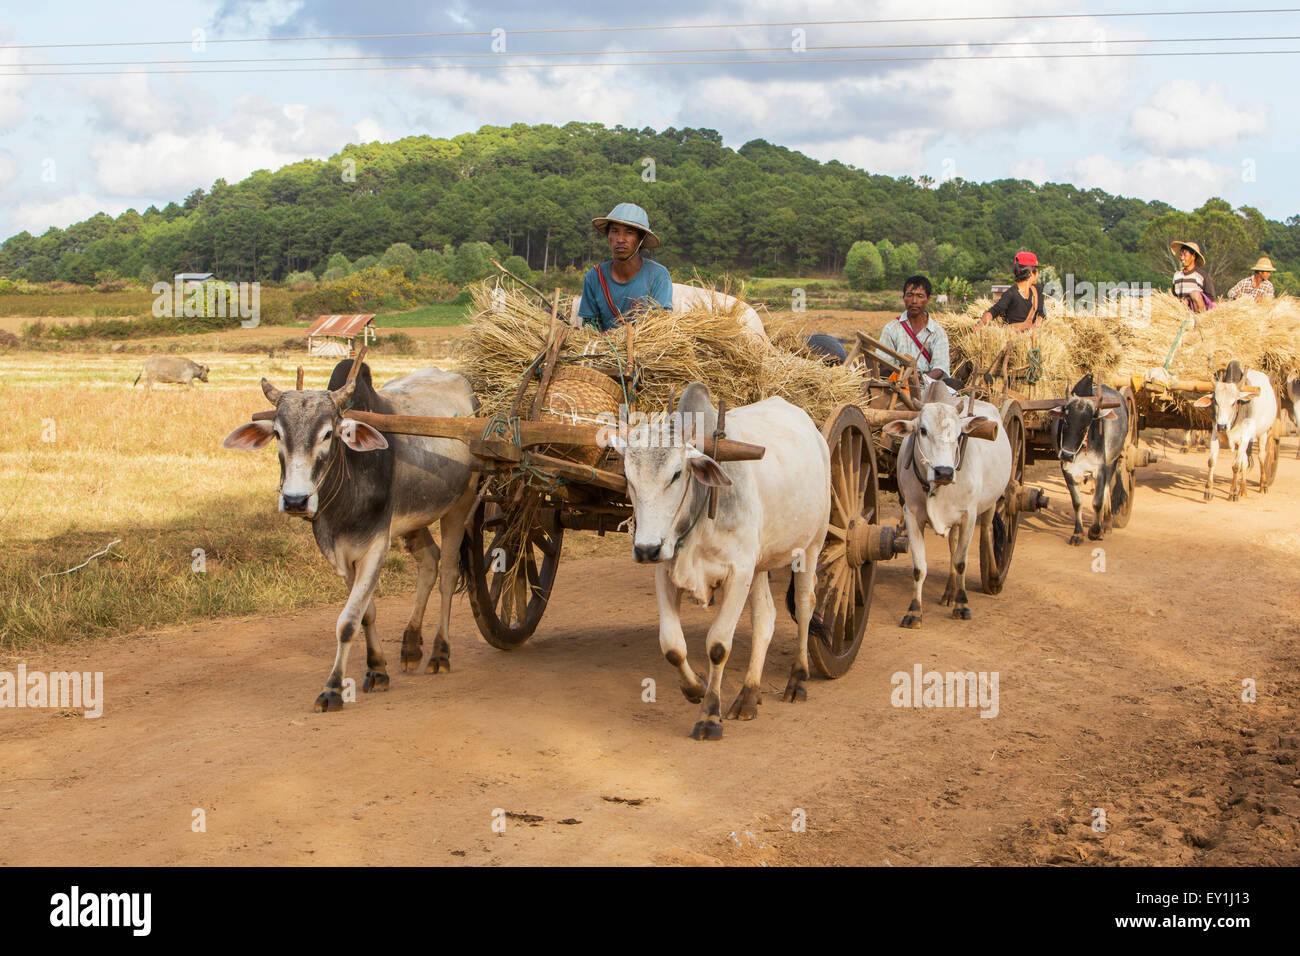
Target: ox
171, 368
1244, 407
771, 514
1089, 441
361, 488
950, 483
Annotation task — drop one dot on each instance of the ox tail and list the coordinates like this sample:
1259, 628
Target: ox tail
462, 584
1118, 494
137, 380
816, 626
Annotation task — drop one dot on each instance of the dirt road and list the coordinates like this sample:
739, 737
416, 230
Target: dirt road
1120, 691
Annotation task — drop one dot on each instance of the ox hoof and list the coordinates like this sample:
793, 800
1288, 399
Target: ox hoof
794, 689
1094, 533
439, 658
910, 620
746, 704
375, 681
329, 700
948, 595
412, 652
1075, 540
694, 693
1209, 496
961, 613
710, 729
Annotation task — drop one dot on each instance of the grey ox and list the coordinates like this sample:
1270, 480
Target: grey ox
949, 482
1089, 441
171, 368
771, 514
361, 488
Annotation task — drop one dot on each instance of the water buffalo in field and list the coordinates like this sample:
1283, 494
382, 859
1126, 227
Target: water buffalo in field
171, 368
949, 482
361, 489
772, 513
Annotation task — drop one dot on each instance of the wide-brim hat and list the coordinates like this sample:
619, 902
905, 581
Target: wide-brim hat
1265, 264
628, 214
1196, 250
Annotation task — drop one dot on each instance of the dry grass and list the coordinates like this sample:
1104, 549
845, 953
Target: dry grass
672, 348
1263, 336
147, 469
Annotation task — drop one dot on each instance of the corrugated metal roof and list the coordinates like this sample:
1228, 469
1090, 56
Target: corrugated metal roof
342, 325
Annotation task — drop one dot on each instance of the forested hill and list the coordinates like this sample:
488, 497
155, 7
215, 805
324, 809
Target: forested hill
532, 191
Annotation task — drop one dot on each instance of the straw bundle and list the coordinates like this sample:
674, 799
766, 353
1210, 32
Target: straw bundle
671, 348
1265, 336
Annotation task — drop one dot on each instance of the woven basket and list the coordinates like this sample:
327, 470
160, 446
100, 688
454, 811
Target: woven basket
584, 394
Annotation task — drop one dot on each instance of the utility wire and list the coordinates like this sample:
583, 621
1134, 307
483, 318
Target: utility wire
638, 63
693, 50
681, 26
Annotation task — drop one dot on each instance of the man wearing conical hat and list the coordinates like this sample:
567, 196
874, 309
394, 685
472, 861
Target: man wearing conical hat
1257, 284
613, 291
1192, 283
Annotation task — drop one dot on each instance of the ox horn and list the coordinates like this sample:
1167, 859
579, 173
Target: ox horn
272, 393
341, 394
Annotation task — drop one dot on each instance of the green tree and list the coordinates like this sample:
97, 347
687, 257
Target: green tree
886, 250
472, 262
400, 256
907, 260
863, 267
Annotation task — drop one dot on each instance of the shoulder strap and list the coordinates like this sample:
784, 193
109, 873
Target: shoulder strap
912, 335
1033, 301
609, 299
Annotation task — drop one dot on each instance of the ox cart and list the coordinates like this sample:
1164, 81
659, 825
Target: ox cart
546, 473
891, 390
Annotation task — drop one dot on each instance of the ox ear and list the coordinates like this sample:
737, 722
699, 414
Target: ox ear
900, 428
1205, 401
980, 427
706, 470
1056, 412
1108, 413
361, 437
249, 436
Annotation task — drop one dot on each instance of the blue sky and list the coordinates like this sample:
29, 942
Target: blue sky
1179, 129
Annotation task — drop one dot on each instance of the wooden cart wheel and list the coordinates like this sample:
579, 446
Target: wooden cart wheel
1126, 473
998, 542
508, 606
845, 578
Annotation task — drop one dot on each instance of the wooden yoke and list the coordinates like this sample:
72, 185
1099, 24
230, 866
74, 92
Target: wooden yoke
718, 434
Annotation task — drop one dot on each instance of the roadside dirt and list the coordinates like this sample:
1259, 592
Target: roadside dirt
1119, 691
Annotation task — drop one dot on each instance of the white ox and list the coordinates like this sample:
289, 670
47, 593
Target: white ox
771, 514
688, 297
1244, 408
949, 482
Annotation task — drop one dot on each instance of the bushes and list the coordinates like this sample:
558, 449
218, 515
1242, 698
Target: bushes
367, 290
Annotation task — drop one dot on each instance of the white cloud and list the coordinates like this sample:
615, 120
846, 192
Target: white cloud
128, 103
255, 135
36, 217
1183, 116
901, 154
8, 166
1034, 169
1184, 183
12, 111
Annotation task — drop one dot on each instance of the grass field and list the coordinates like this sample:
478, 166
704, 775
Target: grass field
86, 459
426, 315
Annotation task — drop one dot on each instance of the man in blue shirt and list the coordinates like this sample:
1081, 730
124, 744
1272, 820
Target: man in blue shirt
626, 283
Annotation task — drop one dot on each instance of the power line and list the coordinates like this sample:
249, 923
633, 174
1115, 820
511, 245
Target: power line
637, 63
692, 50
668, 27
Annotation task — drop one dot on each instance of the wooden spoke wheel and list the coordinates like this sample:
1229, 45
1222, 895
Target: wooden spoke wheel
1126, 473
998, 535
846, 572
512, 570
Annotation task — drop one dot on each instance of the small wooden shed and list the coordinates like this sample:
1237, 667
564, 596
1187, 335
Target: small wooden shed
336, 335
